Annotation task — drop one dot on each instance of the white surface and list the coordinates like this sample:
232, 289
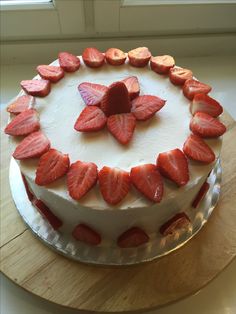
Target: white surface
219, 296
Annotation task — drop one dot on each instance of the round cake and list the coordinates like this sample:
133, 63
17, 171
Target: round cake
166, 160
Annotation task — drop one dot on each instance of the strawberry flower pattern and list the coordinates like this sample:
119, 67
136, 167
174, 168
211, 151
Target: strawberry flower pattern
118, 106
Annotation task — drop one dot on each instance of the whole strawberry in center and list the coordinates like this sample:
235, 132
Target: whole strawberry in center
116, 99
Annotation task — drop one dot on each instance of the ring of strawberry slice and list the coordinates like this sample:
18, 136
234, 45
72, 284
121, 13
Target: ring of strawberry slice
118, 107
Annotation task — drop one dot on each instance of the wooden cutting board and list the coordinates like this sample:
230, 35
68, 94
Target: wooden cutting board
41, 271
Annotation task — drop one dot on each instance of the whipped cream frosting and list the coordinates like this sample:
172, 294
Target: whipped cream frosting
167, 130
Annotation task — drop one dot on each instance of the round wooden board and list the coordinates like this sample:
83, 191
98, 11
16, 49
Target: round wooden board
39, 270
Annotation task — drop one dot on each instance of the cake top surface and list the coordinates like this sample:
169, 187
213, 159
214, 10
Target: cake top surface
167, 130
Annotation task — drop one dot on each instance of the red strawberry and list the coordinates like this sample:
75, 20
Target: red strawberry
195, 148
93, 57
132, 85
204, 125
81, 177
192, 87
204, 103
27, 189
132, 238
86, 234
116, 99
24, 123
174, 165
50, 72
177, 223
68, 61
179, 75
147, 179
122, 126
92, 93
115, 56
139, 57
200, 195
90, 119
114, 184
144, 107
162, 64
52, 166
32, 146
54, 221
40, 88
21, 104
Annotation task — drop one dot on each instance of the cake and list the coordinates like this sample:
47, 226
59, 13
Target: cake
144, 181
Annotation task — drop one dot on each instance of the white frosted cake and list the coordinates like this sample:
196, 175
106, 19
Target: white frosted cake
103, 223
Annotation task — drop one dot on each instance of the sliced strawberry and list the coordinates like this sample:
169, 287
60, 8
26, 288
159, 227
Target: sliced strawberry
86, 234
122, 126
192, 87
114, 184
204, 125
115, 56
204, 103
92, 93
116, 99
93, 58
139, 57
21, 104
180, 222
132, 238
32, 146
50, 72
24, 123
132, 85
54, 221
81, 177
144, 107
162, 64
147, 179
40, 88
174, 165
179, 75
68, 61
195, 148
27, 189
200, 195
90, 119
52, 166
